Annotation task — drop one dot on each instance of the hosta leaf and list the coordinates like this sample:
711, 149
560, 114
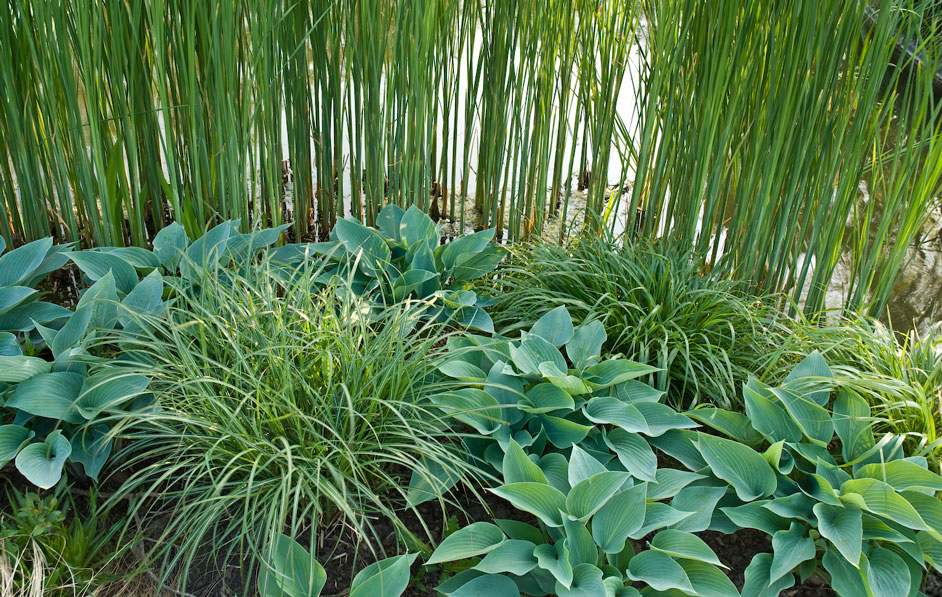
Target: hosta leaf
146, 298
881, 499
797, 505
532, 351
41, 463
11, 296
415, 226
661, 418
474, 265
739, 465
430, 481
73, 332
679, 444
472, 406
291, 570
473, 540
586, 582
902, 475
585, 346
517, 468
109, 391
931, 549
733, 424
887, 575
555, 326
843, 527
668, 481
242, 247
91, 448
757, 582
619, 518
101, 300
9, 346
16, 369
581, 546
615, 371
12, 440
845, 579
466, 245
789, 548
363, 243
19, 264
409, 281
50, 395
569, 383
659, 571
634, 453
708, 580
492, 585
852, 422
814, 420
588, 496
701, 500
656, 516
563, 433
137, 257
462, 370
96, 265
811, 366
555, 559
769, 418
23, 318
474, 318
544, 398
608, 410
634, 391
388, 221
520, 530
684, 545
583, 465
543, 501
513, 555
754, 516
386, 578
170, 243
929, 508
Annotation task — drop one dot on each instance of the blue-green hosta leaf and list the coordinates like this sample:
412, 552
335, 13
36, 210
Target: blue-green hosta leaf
615, 371
680, 444
146, 299
73, 332
755, 516
586, 582
137, 257
659, 571
563, 433
96, 265
797, 505
12, 440
555, 326
385, 578
661, 418
517, 468
462, 370
533, 350
209, 251
365, 244
8, 345
450, 253
556, 468
769, 418
495, 585
657, 516
472, 406
902, 475
543, 501
170, 243
634, 453
789, 548
23, 318
474, 265
845, 579
544, 398
457, 299
812, 366
741, 466
708, 580
102, 301
91, 448
881, 499
241, 247
931, 549
876, 529
608, 410
820, 488
634, 391
678, 544
588, 496
513, 555
3, 245
852, 422
555, 559
291, 571
109, 390
579, 542
757, 582
415, 226
929, 508
507, 390
473, 540
780, 458
887, 575
668, 481
814, 420
842, 526
620, 517
11, 296
474, 318
49, 395
568, 383
16, 369
410, 280
583, 465
19, 264
700, 499
389, 220
585, 346
733, 424
430, 481
41, 462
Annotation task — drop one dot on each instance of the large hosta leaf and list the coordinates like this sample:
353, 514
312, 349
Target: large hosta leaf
902, 475
634, 453
50, 395
769, 418
555, 326
513, 555
589, 495
814, 420
517, 468
20, 263
473, 540
170, 243
789, 548
41, 463
555, 559
757, 581
684, 545
16, 369
801, 378
615, 371
659, 571
533, 350
91, 448
708, 580
881, 499
585, 346
291, 571
386, 578
96, 265
543, 501
619, 518
492, 585
364, 243
12, 439
741, 466
472, 406
887, 574
586, 582
843, 527
852, 422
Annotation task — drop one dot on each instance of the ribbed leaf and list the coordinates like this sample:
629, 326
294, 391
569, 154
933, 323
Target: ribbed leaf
585, 346
16, 369
543, 501
12, 440
588, 496
555, 326
659, 571
619, 518
684, 545
50, 395
19, 264
41, 463
789, 548
634, 453
741, 466
473, 540
386, 578
513, 555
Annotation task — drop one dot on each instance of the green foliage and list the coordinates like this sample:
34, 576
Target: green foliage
52, 545
576, 448
280, 404
404, 260
658, 305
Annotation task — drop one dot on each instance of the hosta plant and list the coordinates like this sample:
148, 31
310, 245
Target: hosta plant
576, 441
404, 259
